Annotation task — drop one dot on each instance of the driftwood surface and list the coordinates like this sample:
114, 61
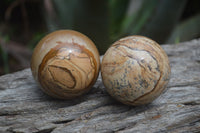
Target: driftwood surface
24, 108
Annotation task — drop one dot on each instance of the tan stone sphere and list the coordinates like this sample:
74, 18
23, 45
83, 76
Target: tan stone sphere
135, 70
65, 63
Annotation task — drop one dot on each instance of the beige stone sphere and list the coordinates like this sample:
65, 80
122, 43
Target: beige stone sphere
135, 70
65, 63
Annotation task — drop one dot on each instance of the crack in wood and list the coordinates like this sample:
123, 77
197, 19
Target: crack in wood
192, 103
62, 121
49, 130
9, 114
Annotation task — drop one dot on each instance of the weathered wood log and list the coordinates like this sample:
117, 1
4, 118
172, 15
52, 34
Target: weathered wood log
25, 108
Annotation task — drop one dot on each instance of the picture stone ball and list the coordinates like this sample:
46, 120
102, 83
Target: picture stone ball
135, 70
65, 63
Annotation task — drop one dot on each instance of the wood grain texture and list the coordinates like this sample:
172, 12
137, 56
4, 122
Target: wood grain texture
25, 108
69, 68
135, 70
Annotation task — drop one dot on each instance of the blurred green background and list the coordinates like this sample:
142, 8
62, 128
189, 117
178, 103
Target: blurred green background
24, 22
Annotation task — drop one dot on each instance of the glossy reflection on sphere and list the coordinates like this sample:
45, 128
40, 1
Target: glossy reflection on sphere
65, 63
135, 70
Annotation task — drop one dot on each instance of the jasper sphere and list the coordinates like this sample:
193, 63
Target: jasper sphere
65, 63
135, 70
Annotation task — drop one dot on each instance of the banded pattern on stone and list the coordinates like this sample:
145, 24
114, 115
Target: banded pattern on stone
135, 70
69, 68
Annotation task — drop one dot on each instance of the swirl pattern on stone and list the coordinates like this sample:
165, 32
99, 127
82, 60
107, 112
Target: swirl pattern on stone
135, 70
66, 64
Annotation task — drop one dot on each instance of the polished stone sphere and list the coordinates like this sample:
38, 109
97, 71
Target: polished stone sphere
135, 70
65, 63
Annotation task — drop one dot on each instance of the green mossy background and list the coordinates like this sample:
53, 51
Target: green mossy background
24, 22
